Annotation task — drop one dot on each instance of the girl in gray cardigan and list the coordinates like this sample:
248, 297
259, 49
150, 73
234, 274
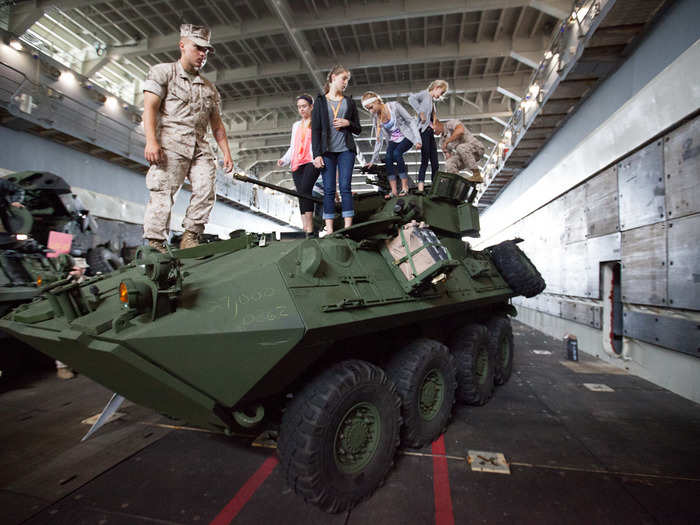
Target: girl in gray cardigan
393, 124
423, 103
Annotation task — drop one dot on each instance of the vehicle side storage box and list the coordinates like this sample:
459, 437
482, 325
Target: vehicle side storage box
416, 256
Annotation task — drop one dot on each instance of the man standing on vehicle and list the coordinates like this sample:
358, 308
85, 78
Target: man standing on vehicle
179, 105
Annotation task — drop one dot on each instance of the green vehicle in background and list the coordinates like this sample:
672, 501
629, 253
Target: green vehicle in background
366, 336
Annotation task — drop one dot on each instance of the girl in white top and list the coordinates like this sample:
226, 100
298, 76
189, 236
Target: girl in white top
395, 126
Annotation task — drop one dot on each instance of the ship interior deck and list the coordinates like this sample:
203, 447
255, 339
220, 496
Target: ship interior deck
623, 452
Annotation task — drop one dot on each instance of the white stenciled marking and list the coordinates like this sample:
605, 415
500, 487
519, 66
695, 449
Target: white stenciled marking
494, 462
598, 387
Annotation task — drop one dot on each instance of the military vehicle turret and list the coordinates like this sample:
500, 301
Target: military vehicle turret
368, 335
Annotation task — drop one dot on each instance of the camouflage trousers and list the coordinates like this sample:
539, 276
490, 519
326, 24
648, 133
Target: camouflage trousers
165, 180
464, 157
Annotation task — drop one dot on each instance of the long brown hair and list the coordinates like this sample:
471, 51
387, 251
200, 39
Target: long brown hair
337, 70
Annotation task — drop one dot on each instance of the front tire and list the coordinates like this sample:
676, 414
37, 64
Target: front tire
475, 364
339, 435
424, 374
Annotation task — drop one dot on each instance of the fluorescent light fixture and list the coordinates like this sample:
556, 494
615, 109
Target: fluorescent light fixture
68, 77
14, 44
581, 13
111, 103
547, 54
534, 90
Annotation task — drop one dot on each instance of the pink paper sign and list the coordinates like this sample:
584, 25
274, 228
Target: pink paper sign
59, 243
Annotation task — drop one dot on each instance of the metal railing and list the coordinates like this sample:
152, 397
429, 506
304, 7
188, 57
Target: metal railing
51, 108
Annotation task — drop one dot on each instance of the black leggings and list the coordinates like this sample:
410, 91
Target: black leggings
305, 177
428, 152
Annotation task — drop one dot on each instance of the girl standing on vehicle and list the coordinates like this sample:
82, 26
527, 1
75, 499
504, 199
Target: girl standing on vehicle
298, 156
423, 103
334, 121
394, 125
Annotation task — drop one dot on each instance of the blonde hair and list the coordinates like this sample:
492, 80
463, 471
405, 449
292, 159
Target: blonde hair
368, 95
336, 70
439, 83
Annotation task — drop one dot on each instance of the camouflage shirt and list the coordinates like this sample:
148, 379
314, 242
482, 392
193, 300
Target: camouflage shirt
187, 104
467, 138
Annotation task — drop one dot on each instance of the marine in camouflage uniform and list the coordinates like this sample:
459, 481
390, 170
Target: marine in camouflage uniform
182, 104
463, 148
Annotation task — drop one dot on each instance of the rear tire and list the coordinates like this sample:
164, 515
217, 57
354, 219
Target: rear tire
517, 269
501, 347
339, 435
424, 374
475, 364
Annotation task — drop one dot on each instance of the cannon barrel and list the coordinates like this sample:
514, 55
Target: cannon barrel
245, 178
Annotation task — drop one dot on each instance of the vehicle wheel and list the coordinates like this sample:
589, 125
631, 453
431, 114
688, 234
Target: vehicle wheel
339, 435
475, 364
517, 269
424, 374
102, 260
501, 347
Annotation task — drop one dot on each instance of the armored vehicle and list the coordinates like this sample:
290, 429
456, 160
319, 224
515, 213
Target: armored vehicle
24, 267
366, 335
50, 205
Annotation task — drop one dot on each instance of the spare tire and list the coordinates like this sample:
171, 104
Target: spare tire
517, 269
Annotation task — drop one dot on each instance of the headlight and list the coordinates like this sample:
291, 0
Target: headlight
136, 295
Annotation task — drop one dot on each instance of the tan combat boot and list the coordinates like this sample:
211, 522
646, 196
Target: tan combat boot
476, 176
189, 240
157, 245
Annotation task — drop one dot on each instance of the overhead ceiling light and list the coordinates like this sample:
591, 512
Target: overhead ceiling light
68, 78
14, 44
534, 90
581, 13
547, 54
112, 103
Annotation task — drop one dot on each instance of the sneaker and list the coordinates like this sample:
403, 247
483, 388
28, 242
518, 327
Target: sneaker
156, 245
64, 373
189, 240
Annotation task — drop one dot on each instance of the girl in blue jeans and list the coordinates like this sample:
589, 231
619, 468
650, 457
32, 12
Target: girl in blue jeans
334, 121
395, 126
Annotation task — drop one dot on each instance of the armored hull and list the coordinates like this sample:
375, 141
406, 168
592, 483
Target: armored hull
213, 333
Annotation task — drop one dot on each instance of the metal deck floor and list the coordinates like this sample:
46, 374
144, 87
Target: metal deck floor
576, 456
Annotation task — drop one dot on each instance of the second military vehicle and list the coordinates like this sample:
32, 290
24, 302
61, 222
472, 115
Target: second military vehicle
367, 335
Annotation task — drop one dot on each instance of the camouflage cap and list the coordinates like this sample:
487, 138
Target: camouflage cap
198, 34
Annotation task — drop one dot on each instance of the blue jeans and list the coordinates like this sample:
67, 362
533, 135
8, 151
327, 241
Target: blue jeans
394, 158
342, 163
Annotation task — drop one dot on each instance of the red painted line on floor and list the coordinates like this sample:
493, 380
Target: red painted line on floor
444, 514
233, 507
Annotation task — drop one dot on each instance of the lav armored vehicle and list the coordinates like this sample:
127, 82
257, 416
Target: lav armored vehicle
367, 335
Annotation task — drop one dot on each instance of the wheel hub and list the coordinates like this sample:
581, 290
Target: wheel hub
482, 365
505, 350
432, 394
357, 438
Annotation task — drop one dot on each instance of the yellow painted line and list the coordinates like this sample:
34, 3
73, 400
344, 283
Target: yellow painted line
429, 455
194, 429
